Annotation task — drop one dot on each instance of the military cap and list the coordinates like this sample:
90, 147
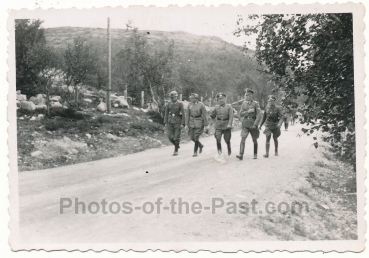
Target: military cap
173, 94
271, 96
247, 90
221, 95
194, 95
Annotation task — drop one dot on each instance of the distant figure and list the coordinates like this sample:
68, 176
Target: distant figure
174, 120
223, 113
196, 120
293, 115
287, 114
273, 117
251, 114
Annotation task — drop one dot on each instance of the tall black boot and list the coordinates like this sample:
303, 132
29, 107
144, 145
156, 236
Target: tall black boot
255, 150
172, 141
267, 146
276, 147
229, 148
200, 146
219, 147
195, 149
176, 146
242, 150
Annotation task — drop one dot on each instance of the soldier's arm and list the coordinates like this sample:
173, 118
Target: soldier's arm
230, 114
264, 118
203, 113
183, 114
166, 114
258, 114
280, 117
242, 112
213, 113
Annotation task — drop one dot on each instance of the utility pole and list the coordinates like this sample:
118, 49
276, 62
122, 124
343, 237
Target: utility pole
108, 90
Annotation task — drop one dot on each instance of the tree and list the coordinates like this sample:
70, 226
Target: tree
80, 65
143, 67
51, 69
30, 49
311, 57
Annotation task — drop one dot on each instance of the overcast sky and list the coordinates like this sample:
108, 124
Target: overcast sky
209, 21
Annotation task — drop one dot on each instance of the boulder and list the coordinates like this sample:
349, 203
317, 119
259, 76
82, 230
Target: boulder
34, 100
112, 137
18, 103
41, 99
56, 105
28, 105
135, 108
55, 98
36, 153
41, 106
101, 107
21, 97
87, 100
122, 102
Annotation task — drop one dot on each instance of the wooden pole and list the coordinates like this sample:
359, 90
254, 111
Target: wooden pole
142, 99
202, 99
125, 95
108, 91
180, 97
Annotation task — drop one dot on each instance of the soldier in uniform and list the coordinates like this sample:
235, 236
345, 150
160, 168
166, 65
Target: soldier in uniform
174, 120
223, 113
287, 114
196, 120
251, 114
273, 117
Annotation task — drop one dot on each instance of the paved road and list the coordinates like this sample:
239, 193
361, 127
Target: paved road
149, 175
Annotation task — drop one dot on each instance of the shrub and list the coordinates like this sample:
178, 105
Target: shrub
53, 125
156, 116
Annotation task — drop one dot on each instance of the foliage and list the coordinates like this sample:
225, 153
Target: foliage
79, 62
34, 59
145, 68
311, 56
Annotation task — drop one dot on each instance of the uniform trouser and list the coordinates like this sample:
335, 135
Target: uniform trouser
226, 135
174, 133
276, 132
255, 133
285, 121
194, 133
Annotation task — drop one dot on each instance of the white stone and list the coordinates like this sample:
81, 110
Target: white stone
41, 106
101, 107
36, 153
28, 105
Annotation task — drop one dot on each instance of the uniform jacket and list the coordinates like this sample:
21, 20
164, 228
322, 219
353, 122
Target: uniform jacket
223, 116
196, 115
250, 109
272, 116
174, 113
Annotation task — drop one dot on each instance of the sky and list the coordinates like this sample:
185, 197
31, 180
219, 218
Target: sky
208, 21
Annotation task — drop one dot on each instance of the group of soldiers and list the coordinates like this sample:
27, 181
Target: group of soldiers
250, 114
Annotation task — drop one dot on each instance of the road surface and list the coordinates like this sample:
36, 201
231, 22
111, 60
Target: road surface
152, 174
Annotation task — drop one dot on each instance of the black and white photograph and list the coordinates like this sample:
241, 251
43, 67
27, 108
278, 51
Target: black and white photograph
187, 128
